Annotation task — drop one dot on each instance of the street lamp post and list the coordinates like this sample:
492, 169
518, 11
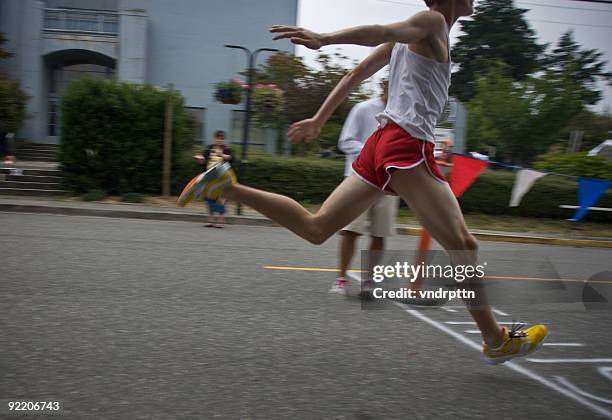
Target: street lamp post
251, 56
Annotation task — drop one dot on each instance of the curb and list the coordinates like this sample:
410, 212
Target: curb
260, 221
521, 239
129, 214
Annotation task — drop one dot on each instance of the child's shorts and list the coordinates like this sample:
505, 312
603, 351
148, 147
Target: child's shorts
214, 207
390, 148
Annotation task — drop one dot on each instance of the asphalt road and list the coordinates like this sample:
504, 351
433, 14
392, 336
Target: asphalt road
130, 319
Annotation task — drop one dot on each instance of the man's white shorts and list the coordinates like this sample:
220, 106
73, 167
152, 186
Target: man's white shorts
378, 220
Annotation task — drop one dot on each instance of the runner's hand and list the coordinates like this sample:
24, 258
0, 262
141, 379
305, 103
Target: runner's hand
304, 130
298, 35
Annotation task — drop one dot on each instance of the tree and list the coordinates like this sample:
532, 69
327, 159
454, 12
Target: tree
521, 119
12, 98
596, 128
305, 89
584, 66
498, 32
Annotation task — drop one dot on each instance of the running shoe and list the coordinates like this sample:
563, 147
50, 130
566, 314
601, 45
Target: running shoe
339, 286
209, 184
517, 342
367, 290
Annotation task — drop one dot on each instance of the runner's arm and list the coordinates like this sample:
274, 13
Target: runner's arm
414, 29
310, 128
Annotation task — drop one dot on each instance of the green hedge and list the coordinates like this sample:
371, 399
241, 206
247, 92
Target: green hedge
112, 137
490, 194
304, 179
312, 180
576, 164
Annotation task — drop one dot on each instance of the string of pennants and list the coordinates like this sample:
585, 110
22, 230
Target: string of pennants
466, 170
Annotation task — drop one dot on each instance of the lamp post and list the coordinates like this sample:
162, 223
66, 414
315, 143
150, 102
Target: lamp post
251, 56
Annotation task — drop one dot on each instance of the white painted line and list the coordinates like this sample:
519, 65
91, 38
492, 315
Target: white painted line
498, 312
564, 344
511, 365
472, 331
448, 309
577, 390
569, 360
605, 371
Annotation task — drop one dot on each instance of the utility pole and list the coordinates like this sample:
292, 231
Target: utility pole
251, 56
167, 159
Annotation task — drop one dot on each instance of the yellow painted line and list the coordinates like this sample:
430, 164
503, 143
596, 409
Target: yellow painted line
321, 270
335, 270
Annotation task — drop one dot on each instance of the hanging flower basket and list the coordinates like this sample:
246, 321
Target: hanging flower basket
229, 92
268, 104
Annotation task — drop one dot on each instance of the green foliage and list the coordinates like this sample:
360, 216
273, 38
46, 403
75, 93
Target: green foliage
229, 92
576, 164
596, 128
490, 194
302, 179
330, 133
133, 198
498, 32
521, 119
12, 98
312, 180
112, 136
93, 195
4, 54
585, 67
12, 104
306, 88
268, 104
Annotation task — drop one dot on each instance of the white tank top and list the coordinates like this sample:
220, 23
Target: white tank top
418, 91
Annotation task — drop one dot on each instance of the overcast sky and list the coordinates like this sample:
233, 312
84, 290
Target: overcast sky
548, 18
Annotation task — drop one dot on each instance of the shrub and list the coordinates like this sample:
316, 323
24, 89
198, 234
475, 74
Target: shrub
93, 195
133, 198
576, 164
490, 194
12, 104
312, 180
112, 136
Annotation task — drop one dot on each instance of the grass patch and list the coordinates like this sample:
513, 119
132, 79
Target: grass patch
93, 195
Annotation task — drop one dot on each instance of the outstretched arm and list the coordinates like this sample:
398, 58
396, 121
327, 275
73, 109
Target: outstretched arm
311, 128
418, 27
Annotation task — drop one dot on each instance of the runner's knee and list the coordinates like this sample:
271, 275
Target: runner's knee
318, 231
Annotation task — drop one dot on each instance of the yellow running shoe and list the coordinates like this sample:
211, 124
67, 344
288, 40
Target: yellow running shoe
209, 184
517, 342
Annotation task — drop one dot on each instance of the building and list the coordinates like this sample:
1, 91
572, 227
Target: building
140, 41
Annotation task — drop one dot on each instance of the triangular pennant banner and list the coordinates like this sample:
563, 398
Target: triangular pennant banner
589, 192
464, 173
525, 178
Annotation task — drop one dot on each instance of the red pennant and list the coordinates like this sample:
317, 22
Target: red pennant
464, 173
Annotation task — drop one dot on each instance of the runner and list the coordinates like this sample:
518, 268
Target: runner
397, 158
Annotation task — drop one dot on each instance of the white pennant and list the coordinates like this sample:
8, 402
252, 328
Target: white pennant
525, 178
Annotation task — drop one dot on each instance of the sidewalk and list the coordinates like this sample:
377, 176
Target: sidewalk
161, 209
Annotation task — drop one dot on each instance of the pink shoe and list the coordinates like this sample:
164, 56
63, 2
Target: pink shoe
339, 286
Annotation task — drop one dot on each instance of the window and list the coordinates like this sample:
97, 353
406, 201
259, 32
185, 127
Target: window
54, 118
256, 135
199, 116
